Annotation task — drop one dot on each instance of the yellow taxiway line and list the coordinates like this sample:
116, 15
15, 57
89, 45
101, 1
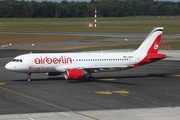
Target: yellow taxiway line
108, 79
104, 92
47, 103
124, 92
4, 46
2, 83
178, 75
153, 102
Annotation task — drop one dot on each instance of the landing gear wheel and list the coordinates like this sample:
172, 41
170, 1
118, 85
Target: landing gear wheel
29, 80
91, 78
29, 77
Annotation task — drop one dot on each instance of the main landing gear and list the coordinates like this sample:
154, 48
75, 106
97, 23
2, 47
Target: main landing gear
29, 77
89, 76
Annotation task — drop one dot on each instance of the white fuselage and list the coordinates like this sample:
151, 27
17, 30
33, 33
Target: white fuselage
60, 62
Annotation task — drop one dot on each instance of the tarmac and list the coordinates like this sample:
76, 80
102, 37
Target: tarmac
150, 92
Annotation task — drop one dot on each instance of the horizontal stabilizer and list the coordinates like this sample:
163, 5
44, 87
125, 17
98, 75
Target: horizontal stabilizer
156, 57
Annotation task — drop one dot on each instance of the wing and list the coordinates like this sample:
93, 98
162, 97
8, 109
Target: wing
94, 69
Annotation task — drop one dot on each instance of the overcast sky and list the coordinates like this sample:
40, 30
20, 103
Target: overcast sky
88, 0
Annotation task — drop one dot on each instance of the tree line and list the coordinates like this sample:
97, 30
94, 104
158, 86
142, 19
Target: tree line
105, 8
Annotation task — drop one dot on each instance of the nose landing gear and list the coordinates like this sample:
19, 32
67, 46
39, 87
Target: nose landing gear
29, 77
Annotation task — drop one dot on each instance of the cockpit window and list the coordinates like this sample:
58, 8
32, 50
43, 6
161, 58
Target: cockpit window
17, 60
14, 60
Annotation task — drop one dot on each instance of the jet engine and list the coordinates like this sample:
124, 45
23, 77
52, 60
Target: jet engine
74, 74
53, 73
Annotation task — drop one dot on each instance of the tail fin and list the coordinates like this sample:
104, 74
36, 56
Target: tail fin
148, 50
152, 42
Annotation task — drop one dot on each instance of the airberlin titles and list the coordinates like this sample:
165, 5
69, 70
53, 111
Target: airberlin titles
53, 60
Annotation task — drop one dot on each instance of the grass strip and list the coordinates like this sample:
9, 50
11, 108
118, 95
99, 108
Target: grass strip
109, 24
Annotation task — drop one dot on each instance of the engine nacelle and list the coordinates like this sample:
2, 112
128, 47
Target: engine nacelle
74, 74
53, 73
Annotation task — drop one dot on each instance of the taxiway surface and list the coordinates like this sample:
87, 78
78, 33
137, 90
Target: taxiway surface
113, 37
149, 92
150, 86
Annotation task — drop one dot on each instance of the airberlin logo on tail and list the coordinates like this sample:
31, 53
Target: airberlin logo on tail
54, 60
156, 45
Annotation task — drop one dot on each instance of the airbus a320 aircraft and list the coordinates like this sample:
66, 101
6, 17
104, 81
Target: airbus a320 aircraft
76, 66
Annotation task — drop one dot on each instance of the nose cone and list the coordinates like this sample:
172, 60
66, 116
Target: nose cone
16, 67
8, 66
